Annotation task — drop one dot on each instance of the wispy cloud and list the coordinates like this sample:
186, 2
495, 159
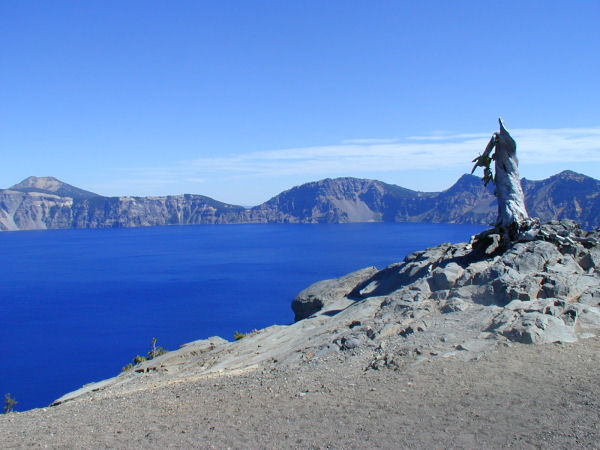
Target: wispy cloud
353, 156
370, 141
558, 145
448, 137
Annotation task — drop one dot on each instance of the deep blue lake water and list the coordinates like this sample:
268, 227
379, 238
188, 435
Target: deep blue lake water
77, 305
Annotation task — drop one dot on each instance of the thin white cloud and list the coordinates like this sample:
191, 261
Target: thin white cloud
563, 145
449, 137
450, 151
369, 141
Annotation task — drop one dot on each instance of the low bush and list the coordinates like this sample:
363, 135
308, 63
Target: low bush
237, 335
155, 351
9, 403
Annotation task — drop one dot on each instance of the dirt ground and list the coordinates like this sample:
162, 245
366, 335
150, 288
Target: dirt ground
522, 396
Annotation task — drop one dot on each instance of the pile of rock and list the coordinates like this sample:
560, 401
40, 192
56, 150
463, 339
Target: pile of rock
544, 288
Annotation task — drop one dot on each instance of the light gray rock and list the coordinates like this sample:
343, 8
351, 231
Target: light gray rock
323, 293
591, 297
454, 305
587, 317
535, 328
415, 269
537, 322
590, 260
445, 277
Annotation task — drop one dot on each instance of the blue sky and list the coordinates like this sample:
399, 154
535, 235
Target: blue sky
239, 100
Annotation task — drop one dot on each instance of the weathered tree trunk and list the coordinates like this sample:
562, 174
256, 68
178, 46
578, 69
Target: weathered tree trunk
512, 214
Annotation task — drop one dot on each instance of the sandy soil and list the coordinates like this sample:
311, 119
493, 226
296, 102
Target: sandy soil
523, 396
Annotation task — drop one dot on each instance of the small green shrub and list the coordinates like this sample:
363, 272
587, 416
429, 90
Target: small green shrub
139, 359
155, 351
237, 335
9, 403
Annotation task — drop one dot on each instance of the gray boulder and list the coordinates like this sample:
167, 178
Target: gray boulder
537, 322
320, 295
445, 277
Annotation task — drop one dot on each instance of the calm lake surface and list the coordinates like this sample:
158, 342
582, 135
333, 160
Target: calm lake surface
77, 305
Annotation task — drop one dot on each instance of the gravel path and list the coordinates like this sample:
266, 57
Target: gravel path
524, 396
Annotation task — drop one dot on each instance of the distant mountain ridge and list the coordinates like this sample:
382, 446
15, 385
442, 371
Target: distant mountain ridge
45, 202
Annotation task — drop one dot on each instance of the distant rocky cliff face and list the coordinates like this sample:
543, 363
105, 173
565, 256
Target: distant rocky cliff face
39, 203
30, 211
342, 200
567, 195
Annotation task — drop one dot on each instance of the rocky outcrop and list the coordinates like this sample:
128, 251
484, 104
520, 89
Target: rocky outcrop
38, 203
545, 289
458, 301
327, 294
